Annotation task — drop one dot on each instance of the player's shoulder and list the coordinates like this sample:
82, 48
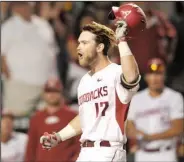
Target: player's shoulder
115, 66
172, 93
84, 78
41, 22
141, 93
37, 19
38, 114
7, 24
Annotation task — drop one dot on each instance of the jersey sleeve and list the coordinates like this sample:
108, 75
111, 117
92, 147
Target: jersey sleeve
177, 107
125, 94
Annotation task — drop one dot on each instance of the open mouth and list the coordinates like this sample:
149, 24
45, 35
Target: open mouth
80, 55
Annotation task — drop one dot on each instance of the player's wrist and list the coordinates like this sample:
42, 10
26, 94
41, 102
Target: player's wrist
58, 137
122, 39
67, 133
124, 49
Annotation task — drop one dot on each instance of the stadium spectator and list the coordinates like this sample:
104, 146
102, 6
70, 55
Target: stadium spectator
13, 144
28, 54
56, 13
55, 116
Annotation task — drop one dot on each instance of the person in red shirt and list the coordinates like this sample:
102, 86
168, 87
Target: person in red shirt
55, 116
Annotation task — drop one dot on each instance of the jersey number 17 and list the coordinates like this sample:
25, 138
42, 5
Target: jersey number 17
103, 105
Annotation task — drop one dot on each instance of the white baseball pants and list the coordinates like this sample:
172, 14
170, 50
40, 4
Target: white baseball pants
161, 156
102, 154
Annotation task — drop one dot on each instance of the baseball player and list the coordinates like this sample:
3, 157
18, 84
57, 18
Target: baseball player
155, 117
104, 94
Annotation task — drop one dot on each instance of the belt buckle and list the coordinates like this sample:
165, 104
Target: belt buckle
97, 144
86, 143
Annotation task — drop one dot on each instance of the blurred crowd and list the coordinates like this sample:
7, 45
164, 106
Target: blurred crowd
40, 70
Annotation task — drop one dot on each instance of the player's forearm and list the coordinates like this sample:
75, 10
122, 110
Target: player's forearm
175, 130
75, 123
128, 63
165, 135
131, 130
71, 130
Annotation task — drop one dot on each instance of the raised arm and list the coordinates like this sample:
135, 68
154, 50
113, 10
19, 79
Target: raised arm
129, 65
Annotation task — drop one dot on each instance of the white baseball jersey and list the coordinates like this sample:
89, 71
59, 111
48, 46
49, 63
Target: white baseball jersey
14, 149
153, 115
103, 105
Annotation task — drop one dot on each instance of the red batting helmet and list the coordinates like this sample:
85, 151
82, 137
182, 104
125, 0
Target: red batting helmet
155, 65
133, 15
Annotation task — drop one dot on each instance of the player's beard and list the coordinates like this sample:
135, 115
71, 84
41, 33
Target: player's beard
87, 61
92, 60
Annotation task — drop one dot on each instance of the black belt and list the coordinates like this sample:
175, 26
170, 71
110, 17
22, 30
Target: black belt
156, 149
89, 143
92, 144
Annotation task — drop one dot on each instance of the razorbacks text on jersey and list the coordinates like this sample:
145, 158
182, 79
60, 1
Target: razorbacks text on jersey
103, 105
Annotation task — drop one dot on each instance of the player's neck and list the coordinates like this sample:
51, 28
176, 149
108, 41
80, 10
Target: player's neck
155, 93
51, 109
99, 64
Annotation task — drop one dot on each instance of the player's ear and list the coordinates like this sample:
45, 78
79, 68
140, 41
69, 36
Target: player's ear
100, 47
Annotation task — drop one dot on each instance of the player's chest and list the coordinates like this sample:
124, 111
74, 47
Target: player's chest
95, 88
152, 109
50, 123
